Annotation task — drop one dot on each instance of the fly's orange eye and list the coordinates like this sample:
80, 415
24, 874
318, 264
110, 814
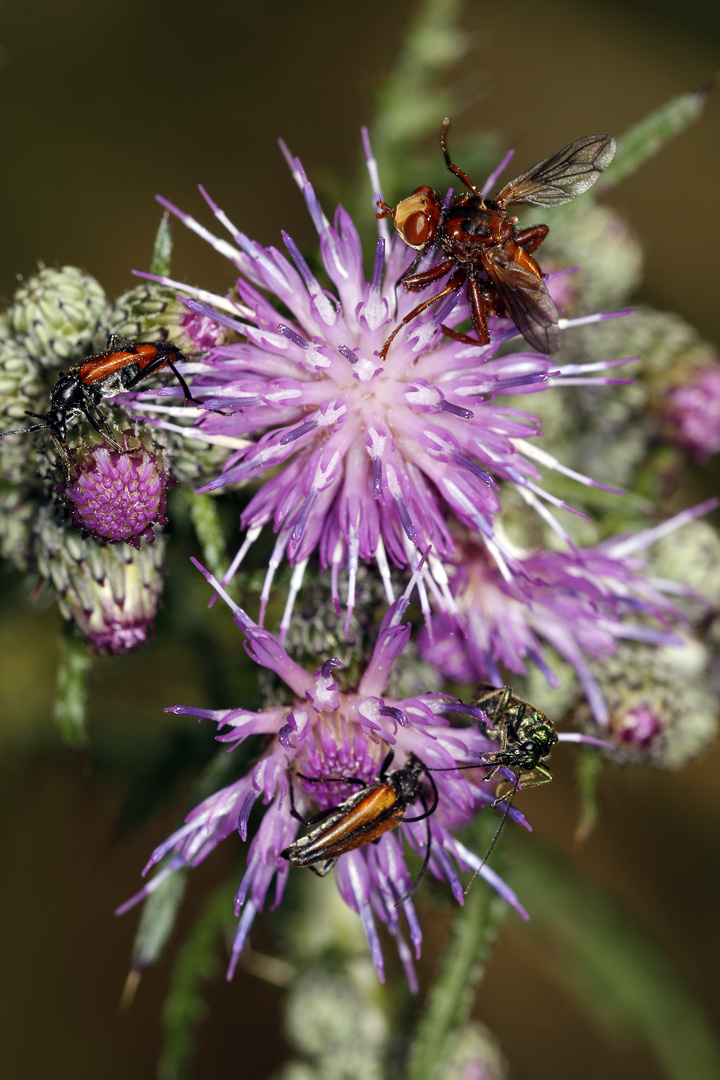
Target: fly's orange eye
417, 230
416, 218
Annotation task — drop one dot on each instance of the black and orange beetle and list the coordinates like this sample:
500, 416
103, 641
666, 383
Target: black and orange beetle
364, 817
120, 367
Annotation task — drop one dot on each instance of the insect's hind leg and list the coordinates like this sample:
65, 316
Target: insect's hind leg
531, 238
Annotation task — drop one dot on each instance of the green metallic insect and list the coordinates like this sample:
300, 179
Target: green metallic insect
526, 737
525, 734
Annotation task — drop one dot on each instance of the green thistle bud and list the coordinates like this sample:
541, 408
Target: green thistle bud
477, 1054
21, 384
598, 240
18, 511
692, 556
663, 712
55, 314
616, 436
22, 389
149, 312
110, 592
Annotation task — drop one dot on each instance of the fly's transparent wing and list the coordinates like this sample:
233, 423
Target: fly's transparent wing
563, 176
526, 300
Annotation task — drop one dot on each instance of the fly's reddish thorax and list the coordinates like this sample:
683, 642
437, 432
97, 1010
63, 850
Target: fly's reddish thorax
470, 223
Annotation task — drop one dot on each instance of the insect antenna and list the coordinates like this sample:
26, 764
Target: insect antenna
22, 430
495, 838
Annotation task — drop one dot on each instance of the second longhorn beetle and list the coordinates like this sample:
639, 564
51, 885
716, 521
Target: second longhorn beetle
526, 737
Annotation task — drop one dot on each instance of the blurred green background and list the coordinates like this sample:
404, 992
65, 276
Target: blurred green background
101, 106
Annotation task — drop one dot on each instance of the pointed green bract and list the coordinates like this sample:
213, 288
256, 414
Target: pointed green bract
157, 921
162, 248
198, 961
645, 139
209, 531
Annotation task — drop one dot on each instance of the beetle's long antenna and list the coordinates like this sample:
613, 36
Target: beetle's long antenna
494, 840
22, 430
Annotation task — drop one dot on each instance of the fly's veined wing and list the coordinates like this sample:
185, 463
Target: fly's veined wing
526, 300
563, 176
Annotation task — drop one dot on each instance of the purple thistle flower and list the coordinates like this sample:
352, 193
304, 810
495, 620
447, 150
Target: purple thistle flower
329, 732
694, 410
581, 603
366, 459
117, 497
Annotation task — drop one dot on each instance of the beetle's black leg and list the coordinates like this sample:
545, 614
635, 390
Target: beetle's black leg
426, 860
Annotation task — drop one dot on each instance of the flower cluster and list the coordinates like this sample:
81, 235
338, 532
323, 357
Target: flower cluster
324, 736
400, 461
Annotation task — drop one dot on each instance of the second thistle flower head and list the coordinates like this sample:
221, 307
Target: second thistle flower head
321, 747
361, 458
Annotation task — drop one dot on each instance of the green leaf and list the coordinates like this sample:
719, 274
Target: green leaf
646, 138
408, 106
162, 249
69, 710
208, 528
158, 918
185, 1006
607, 961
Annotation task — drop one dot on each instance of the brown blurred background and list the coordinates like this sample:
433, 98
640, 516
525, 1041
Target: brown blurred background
102, 106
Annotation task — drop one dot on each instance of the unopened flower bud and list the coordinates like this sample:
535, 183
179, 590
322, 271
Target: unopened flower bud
152, 312
663, 711
110, 592
694, 412
55, 314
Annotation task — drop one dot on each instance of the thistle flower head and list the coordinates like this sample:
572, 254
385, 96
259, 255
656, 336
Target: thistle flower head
582, 604
360, 458
117, 497
325, 737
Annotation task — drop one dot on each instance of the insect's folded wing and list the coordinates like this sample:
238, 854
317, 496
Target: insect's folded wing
563, 176
526, 300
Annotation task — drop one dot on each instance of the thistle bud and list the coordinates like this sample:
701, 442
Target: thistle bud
110, 592
152, 312
21, 390
55, 314
694, 412
663, 711
117, 497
